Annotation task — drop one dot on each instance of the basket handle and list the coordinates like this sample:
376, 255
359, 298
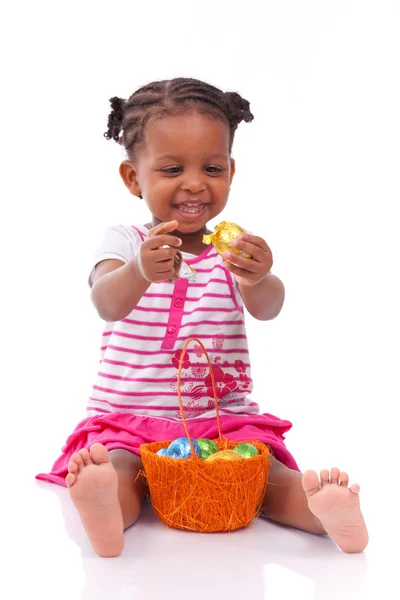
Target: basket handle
193, 339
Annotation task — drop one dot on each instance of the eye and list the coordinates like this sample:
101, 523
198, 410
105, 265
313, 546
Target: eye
172, 170
213, 170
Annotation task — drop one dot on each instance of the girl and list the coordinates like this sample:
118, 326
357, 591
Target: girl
155, 285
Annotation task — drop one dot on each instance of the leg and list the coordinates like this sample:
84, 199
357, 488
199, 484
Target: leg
131, 491
302, 501
105, 495
285, 501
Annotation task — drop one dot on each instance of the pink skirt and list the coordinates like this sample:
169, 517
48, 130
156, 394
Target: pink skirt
129, 432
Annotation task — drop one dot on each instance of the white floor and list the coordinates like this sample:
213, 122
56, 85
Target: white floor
50, 557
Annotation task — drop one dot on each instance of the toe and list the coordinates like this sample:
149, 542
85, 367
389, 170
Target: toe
310, 483
355, 488
73, 467
84, 453
344, 478
99, 453
324, 476
335, 475
70, 479
75, 464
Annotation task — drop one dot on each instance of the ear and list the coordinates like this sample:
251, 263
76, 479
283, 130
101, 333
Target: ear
233, 170
129, 177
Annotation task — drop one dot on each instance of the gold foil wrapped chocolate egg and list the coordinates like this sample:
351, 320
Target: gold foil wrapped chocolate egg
224, 455
221, 239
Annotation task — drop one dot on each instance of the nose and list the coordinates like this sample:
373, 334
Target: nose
194, 183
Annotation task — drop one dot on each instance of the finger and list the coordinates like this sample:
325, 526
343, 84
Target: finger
178, 261
254, 239
241, 261
165, 267
163, 240
162, 254
240, 272
162, 228
256, 253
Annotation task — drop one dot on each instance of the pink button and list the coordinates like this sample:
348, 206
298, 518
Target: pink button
178, 302
171, 329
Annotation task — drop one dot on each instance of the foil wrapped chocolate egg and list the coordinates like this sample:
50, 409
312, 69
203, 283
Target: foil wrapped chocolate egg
221, 239
207, 447
223, 455
180, 448
246, 450
162, 452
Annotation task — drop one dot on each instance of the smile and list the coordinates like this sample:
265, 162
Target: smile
192, 208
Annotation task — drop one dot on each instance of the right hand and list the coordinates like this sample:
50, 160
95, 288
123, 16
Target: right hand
153, 261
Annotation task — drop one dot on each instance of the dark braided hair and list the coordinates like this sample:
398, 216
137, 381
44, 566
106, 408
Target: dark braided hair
128, 118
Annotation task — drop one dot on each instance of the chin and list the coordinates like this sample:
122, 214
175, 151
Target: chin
187, 228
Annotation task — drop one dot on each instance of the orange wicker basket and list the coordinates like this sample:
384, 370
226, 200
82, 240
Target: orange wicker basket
197, 495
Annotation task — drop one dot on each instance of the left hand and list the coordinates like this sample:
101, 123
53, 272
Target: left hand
249, 271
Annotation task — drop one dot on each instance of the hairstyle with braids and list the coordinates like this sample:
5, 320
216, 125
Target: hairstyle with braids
128, 118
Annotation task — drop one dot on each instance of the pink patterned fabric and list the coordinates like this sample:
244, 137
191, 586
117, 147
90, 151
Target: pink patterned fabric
129, 432
134, 398
140, 354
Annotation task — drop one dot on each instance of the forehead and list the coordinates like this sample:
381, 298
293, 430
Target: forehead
187, 133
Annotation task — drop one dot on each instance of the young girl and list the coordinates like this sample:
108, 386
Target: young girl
156, 285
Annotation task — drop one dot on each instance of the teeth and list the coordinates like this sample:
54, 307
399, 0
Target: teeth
191, 207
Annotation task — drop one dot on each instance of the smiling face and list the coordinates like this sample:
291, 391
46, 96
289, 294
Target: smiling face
183, 170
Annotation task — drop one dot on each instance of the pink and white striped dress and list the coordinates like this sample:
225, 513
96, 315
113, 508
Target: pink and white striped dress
140, 354
134, 399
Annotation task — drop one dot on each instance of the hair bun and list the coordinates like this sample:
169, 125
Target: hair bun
240, 107
115, 119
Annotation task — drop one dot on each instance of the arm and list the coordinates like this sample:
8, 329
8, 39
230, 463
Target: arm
263, 294
118, 286
264, 300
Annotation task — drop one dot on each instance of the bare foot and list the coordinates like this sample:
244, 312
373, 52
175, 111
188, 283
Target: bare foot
337, 507
93, 486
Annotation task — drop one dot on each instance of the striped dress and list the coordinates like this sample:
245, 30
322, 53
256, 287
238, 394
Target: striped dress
140, 354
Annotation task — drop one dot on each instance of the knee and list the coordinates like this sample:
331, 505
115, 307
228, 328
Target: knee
123, 460
276, 467
128, 466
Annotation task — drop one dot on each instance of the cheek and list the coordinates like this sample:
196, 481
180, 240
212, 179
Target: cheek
159, 193
155, 186
222, 187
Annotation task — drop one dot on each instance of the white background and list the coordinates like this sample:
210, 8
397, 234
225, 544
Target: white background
317, 176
